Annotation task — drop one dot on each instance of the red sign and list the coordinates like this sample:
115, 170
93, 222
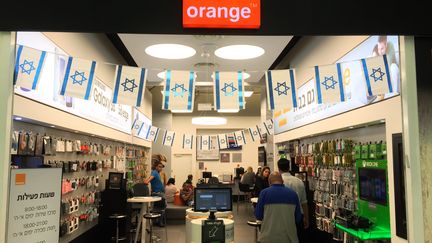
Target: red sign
231, 14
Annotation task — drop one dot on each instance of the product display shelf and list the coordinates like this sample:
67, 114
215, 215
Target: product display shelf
375, 233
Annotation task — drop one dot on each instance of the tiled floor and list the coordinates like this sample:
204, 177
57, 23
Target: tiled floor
243, 233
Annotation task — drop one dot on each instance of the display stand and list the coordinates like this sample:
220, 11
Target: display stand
197, 230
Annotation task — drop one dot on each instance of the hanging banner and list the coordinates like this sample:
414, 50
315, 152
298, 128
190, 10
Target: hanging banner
137, 126
222, 141
187, 141
281, 91
240, 138
78, 78
141, 124
34, 205
228, 90
255, 133
179, 92
28, 67
129, 85
168, 138
377, 75
204, 142
269, 127
152, 133
329, 84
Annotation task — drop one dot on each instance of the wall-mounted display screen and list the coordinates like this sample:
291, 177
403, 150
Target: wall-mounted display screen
372, 185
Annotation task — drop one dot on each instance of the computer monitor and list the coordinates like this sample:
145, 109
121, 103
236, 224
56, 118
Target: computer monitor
115, 180
207, 174
372, 185
212, 199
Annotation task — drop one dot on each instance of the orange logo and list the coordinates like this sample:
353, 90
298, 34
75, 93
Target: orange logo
20, 179
231, 14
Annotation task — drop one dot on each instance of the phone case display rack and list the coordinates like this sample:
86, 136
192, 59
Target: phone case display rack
85, 162
137, 160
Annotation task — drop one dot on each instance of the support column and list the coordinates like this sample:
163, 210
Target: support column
411, 142
7, 53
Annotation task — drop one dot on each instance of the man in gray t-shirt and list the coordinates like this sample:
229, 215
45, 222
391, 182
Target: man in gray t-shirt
297, 185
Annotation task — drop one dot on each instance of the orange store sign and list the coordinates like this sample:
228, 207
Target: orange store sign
232, 14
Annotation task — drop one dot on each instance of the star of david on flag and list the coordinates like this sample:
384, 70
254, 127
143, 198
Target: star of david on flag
255, 133
137, 126
129, 85
78, 78
269, 127
168, 138
377, 75
187, 141
228, 90
222, 141
179, 90
29, 64
281, 91
152, 133
329, 84
204, 142
240, 138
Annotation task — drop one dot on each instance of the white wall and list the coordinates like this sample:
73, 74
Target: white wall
324, 50
182, 124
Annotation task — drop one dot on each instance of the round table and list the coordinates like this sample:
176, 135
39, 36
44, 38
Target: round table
197, 230
192, 215
145, 201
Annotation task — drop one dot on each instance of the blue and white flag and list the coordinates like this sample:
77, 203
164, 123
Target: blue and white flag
281, 91
329, 83
377, 75
222, 141
168, 138
78, 78
152, 133
204, 142
269, 127
228, 91
129, 85
28, 67
255, 133
137, 126
179, 92
240, 138
187, 141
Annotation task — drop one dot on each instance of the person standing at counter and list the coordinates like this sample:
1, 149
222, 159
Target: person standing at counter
154, 179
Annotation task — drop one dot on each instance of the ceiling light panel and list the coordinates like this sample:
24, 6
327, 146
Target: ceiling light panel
170, 51
239, 52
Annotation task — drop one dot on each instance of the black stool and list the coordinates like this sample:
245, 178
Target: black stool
257, 225
117, 217
151, 217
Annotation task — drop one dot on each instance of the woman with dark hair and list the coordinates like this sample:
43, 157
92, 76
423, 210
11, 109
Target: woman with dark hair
170, 190
261, 181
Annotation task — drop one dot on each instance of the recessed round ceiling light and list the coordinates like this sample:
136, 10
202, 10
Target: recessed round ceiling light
161, 75
239, 52
170, 51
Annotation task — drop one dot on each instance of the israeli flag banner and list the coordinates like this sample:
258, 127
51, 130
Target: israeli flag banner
222, 141
178, 91
240, 138
137, 126
281, 91
228, 90
28, 67
187, 141
204, 142
329, 84
377, 75
129, 85
255, 133
269, 127
78, 78
152, 133
168, 138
